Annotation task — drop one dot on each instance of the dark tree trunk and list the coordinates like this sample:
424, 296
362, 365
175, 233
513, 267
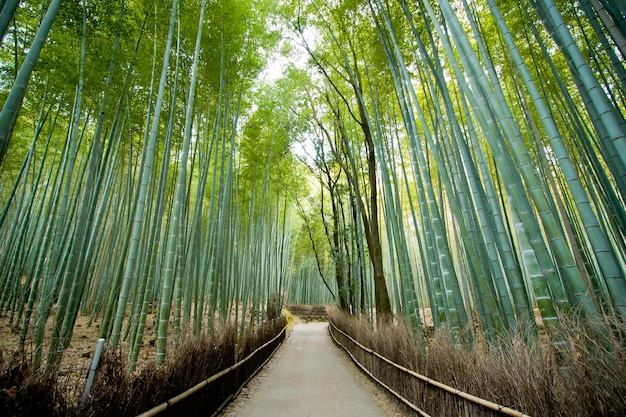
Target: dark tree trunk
383, 305
337, 253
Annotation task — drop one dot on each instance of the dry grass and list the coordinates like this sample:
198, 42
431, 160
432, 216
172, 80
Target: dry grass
118, 393
588, 378
27, 393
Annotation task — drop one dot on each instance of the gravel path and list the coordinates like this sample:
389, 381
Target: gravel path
310, 376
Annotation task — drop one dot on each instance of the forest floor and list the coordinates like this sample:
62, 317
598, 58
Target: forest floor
85, 338
79, 353
78, 356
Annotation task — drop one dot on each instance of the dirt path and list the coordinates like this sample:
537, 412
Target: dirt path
309, 377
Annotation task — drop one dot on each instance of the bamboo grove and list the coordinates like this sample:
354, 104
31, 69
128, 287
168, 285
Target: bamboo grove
474, 153
124, 189
466, 158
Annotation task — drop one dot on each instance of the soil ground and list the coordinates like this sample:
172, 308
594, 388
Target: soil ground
78, 356
78, 353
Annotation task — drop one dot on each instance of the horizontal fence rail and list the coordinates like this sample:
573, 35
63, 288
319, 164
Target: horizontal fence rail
469, 397
164, 406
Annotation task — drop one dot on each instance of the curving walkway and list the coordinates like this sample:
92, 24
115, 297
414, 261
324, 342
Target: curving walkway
311, 377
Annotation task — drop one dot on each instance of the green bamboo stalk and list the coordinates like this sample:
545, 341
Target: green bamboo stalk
516, 198
603, 252
6, 15
564, 260
13, 102
146, 171
175, 219
609, 116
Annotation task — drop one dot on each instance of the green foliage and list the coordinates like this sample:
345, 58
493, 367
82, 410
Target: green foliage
267, 140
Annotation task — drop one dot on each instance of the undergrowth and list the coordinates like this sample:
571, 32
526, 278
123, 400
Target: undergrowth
27, 393
586, 378
116, 392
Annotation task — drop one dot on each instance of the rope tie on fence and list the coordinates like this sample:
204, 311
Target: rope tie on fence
163, 406
469, 397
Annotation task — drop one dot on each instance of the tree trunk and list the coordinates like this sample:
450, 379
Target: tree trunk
381, 295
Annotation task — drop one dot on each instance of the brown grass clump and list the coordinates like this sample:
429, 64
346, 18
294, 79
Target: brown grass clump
586, 378
118, 393
27, 393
